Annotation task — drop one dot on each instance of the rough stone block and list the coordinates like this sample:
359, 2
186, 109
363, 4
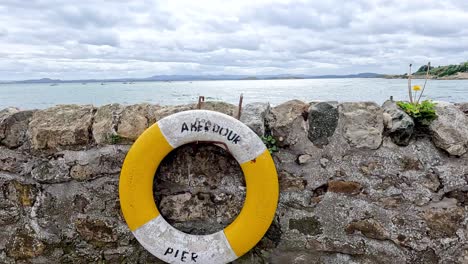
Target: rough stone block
13, 126
362, 124
287, 121
61, 126
323, 119
253, 115
450, 129
399, 124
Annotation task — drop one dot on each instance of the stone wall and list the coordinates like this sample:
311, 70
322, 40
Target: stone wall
359, 183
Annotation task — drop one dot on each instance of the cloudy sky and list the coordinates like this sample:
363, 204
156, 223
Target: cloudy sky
111, 39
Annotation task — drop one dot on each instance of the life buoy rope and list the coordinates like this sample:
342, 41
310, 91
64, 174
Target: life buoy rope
136, 188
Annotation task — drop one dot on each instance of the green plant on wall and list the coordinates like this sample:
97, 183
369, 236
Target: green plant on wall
114, 139
270, 143
423, 112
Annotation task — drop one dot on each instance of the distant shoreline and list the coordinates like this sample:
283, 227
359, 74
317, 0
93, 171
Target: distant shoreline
173, 78
416, 77
458, 76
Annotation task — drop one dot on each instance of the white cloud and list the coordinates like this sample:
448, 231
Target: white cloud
91, 39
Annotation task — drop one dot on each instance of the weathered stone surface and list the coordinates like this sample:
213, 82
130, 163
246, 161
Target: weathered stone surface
220, 209
303, 159
289, 182
362, 124
323, 119
344, 187
338, 203
93, 163
205, 178
106, 121
16, 162
253, 115
61, 126
369, 228
324, 162
5, 115
25, 246
52, 171
450, 129
287, 121
13, 126
95, 230
307, 225
133, 121
10, 209
171, 109
399, 124
116, 124
222, 107
444, 222
463, 107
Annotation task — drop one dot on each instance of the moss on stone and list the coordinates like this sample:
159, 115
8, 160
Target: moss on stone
307, 225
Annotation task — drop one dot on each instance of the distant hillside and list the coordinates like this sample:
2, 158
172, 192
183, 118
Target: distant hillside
443, 71
255, 77
43, 80
207, 78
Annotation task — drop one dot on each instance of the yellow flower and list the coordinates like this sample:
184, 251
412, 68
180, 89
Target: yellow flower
416, 88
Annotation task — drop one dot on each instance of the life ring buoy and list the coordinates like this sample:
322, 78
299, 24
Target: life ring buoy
136, 188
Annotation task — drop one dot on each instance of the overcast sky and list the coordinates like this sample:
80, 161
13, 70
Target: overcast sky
111, 39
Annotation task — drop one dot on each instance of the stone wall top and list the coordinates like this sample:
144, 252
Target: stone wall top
359, 124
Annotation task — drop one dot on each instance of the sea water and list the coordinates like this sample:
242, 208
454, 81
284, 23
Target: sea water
37, 96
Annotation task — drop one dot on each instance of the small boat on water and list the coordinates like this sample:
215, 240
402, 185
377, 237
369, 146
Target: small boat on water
53, 84
103, 84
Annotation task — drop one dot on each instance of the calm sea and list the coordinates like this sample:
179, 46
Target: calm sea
30, 96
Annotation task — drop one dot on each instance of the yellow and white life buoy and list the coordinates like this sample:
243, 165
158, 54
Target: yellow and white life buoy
136, 188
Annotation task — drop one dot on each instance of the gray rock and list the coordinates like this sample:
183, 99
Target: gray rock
93, 163
287, 122
16, 162
253, 115
10, 211
323, 119
345, 187
25, 246
61, 126
16, 127
118, 124
96, 230
222, 107
450, 129
324, 162
307, 225
369, 228
170, 109
133, 121
362, 124
5, 117
105, 123
289, 182
399, 125
463, 107
303, 159
444, 222
53, 171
